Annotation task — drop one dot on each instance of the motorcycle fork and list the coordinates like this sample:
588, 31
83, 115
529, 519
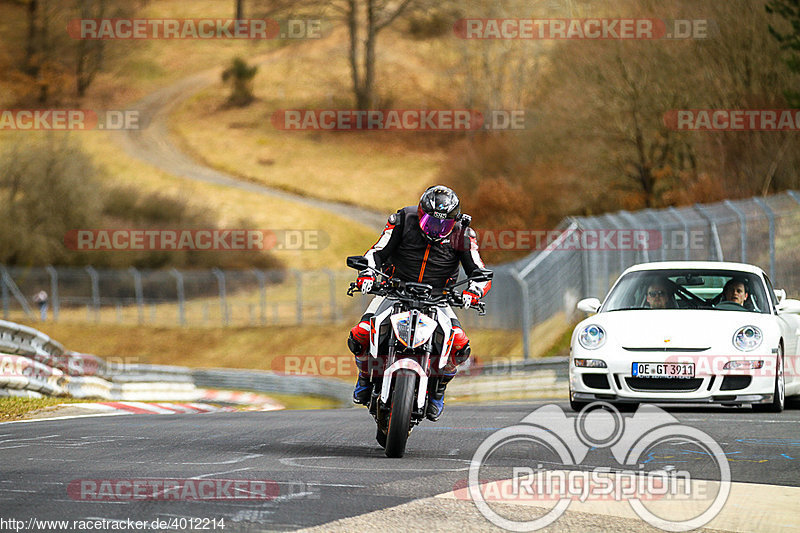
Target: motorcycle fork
378, 410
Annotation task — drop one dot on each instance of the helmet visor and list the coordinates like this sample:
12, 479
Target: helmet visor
436, 228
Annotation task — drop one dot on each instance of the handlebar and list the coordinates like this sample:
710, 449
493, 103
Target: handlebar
417, 294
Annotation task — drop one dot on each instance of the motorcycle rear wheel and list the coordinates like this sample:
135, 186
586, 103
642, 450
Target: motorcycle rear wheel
400, 414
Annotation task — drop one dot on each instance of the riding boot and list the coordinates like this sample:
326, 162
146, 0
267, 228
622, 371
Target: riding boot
436, 397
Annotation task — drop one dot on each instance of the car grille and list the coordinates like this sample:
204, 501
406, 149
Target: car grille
664, 384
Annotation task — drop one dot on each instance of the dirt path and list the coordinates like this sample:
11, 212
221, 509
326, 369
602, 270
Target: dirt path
153, 145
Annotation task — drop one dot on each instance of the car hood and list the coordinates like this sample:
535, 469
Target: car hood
673, 329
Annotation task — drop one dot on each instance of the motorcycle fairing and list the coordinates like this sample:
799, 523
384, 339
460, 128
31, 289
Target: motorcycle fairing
409, 364
447, 328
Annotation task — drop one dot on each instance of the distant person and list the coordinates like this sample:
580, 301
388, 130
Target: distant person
735, 291
40, 299
659, 296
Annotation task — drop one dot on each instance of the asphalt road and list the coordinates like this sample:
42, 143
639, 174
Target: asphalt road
323, 466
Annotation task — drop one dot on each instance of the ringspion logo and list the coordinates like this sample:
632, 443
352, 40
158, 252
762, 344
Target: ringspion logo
705, 482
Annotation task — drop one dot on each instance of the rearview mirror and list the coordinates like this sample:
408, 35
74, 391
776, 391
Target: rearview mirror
589, 305
481, 274
690, 281
359, 262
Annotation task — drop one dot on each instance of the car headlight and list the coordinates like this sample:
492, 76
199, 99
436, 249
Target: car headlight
590, 363
747, 338
592, 337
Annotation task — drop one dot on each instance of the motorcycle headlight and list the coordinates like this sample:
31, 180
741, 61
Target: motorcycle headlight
592, 337
747, 338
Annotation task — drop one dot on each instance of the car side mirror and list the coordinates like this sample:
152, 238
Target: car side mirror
589, 305
358, 262
780, 295
788, 305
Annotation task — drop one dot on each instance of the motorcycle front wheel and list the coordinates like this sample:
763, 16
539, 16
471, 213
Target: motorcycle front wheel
400, 414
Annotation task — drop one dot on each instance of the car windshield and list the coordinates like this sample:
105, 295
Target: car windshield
723, 290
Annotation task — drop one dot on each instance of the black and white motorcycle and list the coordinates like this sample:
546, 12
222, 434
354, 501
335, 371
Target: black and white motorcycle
411, 337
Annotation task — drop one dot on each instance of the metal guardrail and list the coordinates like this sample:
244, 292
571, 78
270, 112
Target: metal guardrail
558, 365
263, 381
41, 365
35, 363
535, 378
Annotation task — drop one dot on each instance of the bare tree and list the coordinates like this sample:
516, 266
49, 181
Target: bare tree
365, 19
52, 60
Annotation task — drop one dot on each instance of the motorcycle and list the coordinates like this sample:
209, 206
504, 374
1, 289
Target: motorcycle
415, 336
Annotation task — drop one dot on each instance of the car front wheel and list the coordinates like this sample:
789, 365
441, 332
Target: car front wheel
779, 391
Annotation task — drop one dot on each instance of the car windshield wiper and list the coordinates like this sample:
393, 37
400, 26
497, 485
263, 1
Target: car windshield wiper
626, 309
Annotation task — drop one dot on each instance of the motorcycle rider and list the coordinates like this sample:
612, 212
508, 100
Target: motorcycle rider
425, 244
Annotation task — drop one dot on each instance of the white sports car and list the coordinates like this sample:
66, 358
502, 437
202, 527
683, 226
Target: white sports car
688, 332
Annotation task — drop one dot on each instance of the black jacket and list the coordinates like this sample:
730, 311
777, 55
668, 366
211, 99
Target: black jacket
407, 254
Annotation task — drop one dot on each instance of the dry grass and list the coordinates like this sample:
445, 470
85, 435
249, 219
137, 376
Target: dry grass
382, 170
230, 205
13, 408
143, 66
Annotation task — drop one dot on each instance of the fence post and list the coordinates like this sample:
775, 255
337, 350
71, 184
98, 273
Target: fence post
659, 228
299, 296
714, 233
742, 228
586, 279
10, 286
526, 313
771, 217
262, 290
674, 212
332, 292
95, 291
635, 222
6, 303
181, 295
54, 290
223, 299
615, 223
137, 289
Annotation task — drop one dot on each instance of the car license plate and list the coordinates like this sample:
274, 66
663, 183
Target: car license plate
663, 370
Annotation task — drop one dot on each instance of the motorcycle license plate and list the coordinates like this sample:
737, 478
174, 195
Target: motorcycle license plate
663, 370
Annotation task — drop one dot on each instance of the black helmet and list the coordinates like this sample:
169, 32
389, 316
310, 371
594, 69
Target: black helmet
438, 210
